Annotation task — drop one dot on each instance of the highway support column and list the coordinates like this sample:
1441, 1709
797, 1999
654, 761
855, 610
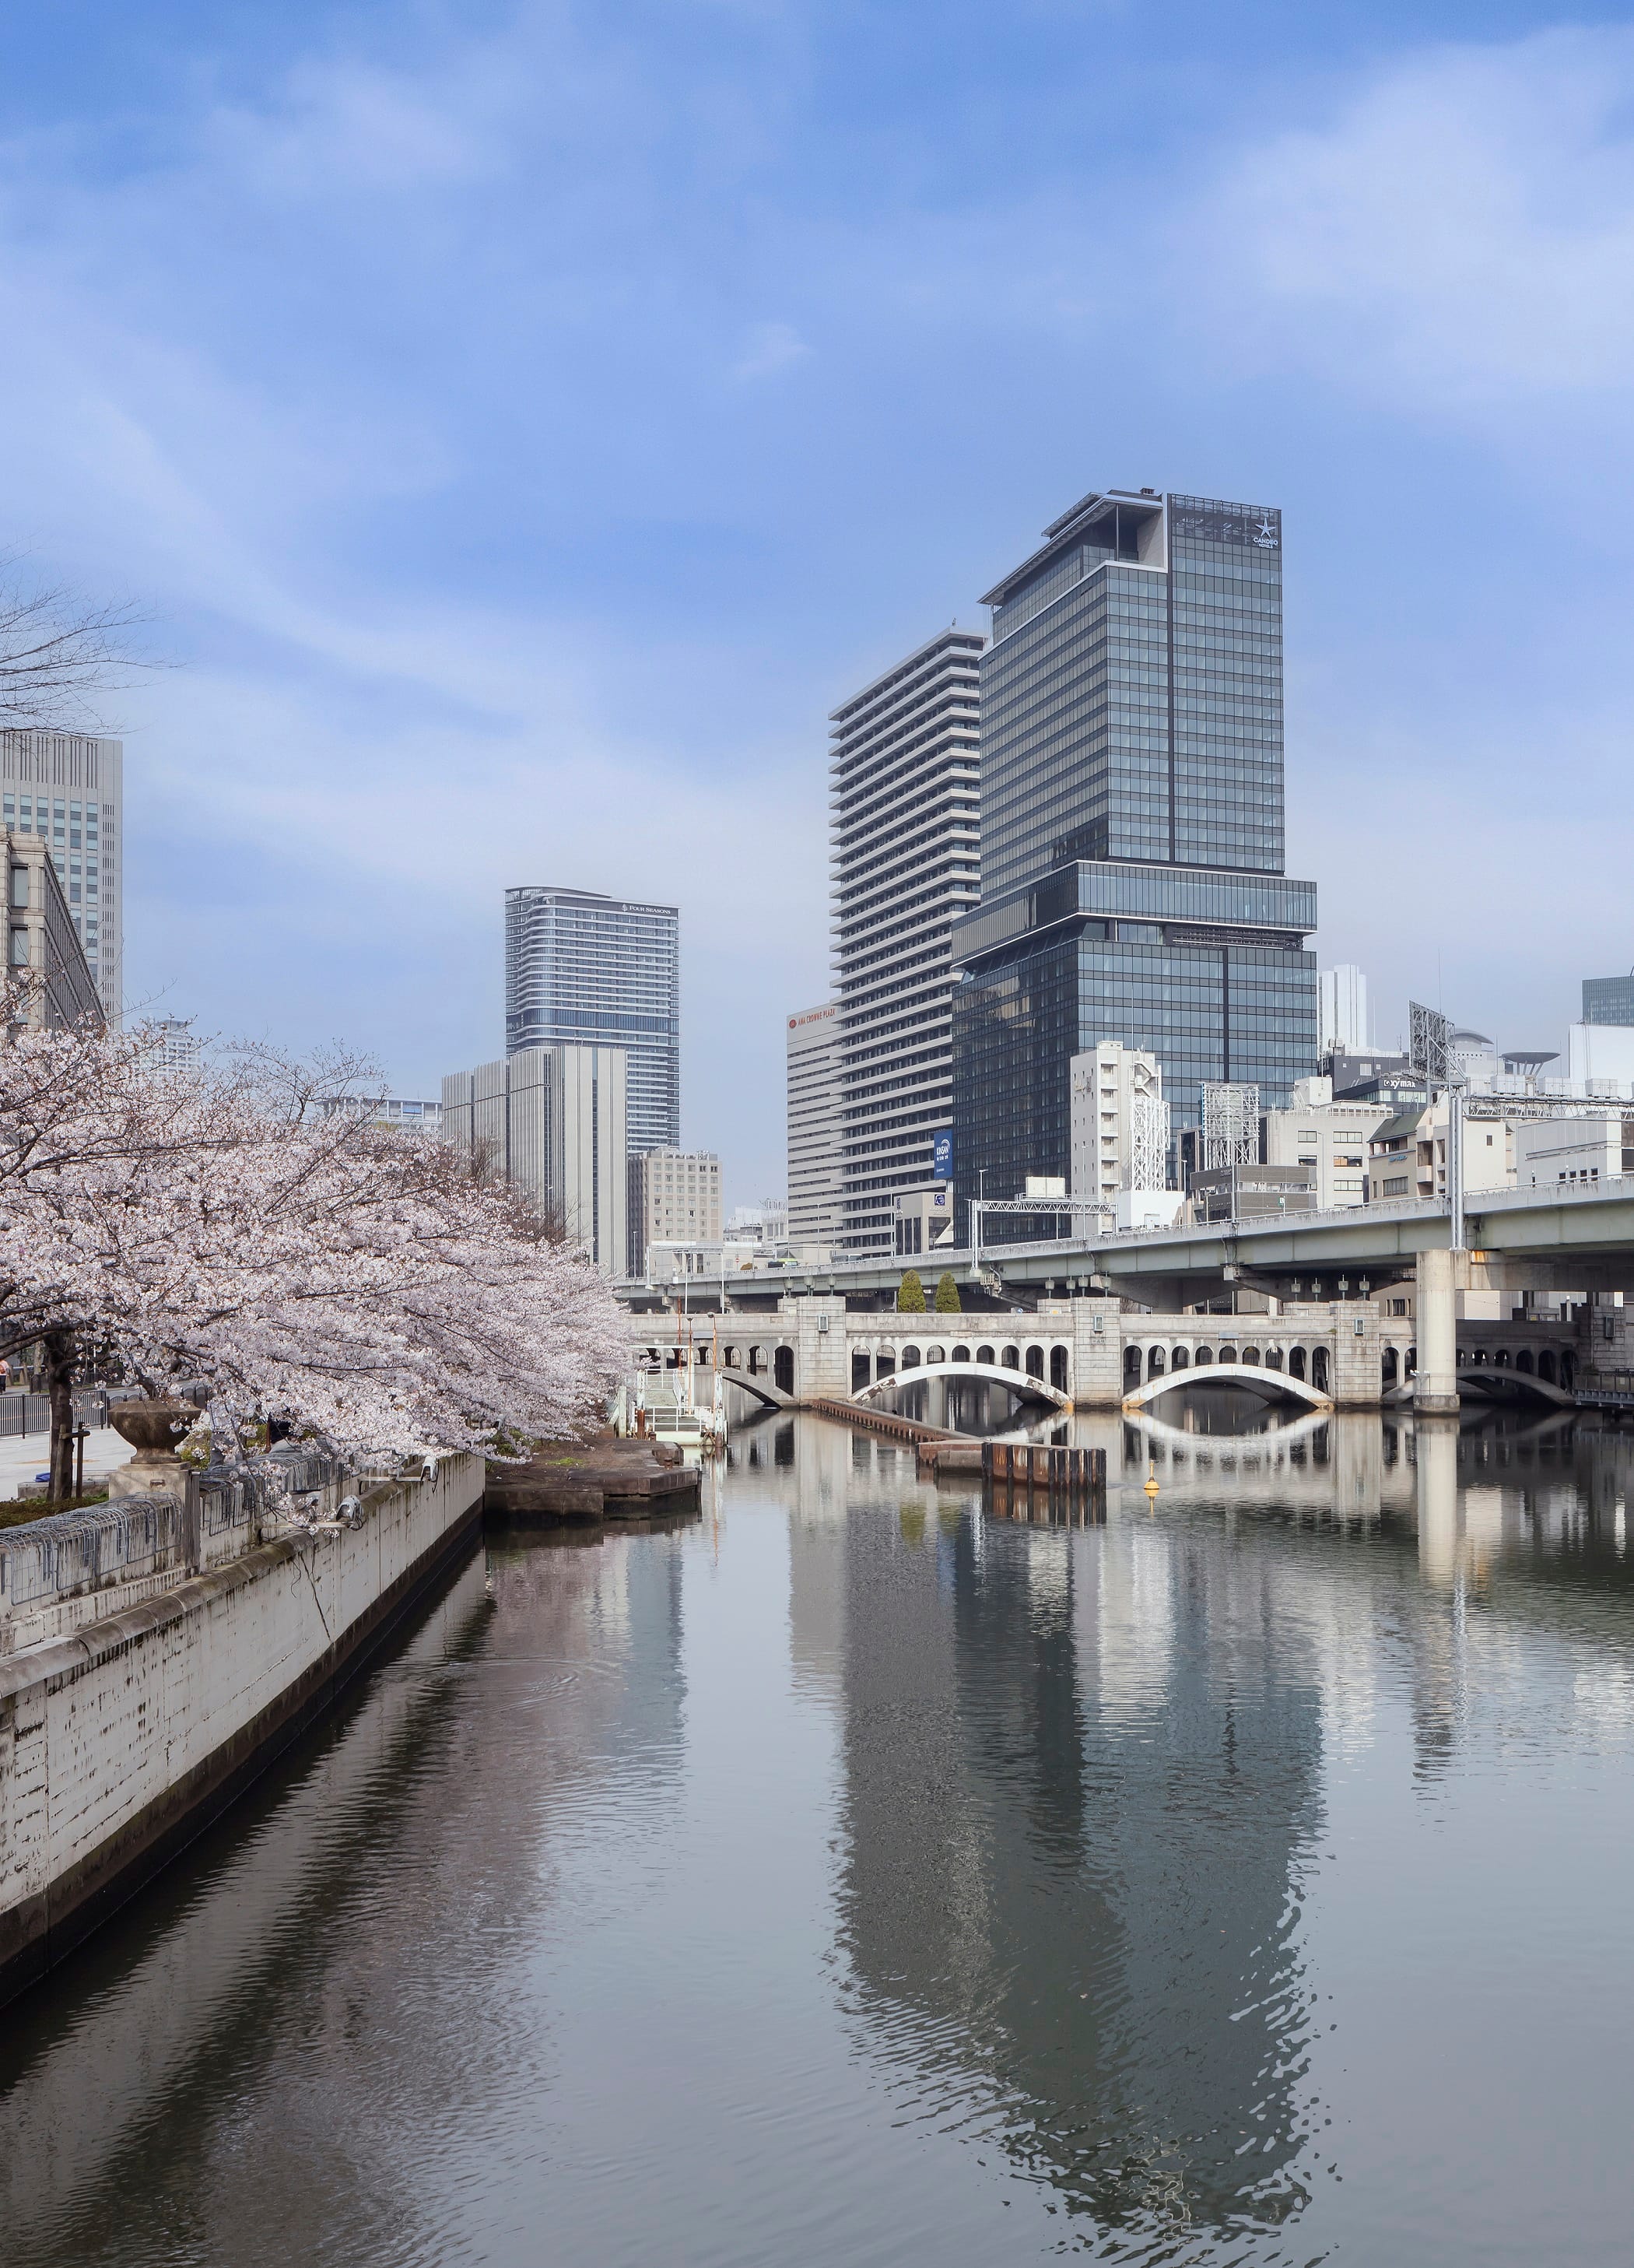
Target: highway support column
1435, 1384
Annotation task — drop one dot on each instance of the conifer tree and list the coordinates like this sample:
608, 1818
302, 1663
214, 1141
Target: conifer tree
910, 1294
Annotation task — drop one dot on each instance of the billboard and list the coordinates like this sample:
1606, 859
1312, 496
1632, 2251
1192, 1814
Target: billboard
942, 1157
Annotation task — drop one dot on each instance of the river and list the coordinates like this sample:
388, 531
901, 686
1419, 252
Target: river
855, 1876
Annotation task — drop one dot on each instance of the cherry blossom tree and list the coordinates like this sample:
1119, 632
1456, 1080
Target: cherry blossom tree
221, 1226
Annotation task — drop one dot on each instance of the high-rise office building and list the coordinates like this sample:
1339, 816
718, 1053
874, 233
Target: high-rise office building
1132, 828
1343, 1018
582, 970
68, 789
905, 805
1608, 999
552, 1120
814, 1075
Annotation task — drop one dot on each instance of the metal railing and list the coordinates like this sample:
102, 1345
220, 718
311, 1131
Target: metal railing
21, 1412
66, 1554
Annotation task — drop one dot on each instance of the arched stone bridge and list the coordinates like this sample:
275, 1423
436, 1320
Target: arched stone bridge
1090, 1354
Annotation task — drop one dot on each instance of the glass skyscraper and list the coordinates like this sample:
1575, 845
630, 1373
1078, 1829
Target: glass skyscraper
1608, 999
1132, 828
583, 969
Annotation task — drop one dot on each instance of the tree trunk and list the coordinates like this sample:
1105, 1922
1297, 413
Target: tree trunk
60, 1351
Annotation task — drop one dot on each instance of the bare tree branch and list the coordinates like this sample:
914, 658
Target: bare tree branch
58, 652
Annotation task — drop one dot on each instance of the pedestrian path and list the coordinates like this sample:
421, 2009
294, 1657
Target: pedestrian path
22, 1455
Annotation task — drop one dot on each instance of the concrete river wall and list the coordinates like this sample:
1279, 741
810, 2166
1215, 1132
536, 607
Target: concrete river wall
155, 1656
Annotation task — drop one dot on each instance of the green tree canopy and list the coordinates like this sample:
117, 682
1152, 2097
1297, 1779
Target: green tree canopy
947, 1294
910, 1294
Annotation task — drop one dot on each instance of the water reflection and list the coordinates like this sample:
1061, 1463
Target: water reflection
858, 1876
249, 2053
1075, 1806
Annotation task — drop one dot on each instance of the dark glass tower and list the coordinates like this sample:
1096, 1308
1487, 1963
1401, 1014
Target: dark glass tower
1132, 828
1608, 999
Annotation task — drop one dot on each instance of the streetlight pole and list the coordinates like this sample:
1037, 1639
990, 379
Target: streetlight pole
1455, 1164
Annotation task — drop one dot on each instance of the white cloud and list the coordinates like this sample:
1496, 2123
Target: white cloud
1462, 232
770, 347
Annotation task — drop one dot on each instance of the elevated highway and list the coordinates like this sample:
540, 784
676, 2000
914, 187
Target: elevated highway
1532, 1240
1331, 1276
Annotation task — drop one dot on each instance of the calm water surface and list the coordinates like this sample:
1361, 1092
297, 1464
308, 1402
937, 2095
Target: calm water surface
856, 1877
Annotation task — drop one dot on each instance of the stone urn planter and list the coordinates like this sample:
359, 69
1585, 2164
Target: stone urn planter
153, 1430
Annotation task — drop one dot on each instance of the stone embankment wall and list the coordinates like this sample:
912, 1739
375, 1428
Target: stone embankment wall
148, 1672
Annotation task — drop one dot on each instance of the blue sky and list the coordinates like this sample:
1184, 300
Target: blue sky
523, 424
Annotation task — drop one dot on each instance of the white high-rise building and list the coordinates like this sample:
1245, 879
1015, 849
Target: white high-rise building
813, 1074
1342, 1021
178, 1047
552, 1120
1120, 1123
905, 833
68, 789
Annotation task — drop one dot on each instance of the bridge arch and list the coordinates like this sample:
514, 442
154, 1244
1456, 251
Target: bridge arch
1276, 1384
1019, 1383
1492, 1377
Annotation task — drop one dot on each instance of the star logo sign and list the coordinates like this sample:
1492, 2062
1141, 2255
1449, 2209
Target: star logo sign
1264, 533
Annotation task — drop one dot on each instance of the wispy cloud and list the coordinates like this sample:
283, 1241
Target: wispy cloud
1459, 233
432, 395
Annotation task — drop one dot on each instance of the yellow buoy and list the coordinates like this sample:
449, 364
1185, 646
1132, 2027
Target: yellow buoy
1151, 1483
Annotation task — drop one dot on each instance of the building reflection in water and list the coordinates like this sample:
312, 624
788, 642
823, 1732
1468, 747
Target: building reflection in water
1083, 1766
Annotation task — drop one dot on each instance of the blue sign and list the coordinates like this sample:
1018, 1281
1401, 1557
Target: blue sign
942, 1157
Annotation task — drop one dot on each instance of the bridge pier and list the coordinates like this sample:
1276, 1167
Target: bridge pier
1435, 1386
1438, 1505
1097, 1354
